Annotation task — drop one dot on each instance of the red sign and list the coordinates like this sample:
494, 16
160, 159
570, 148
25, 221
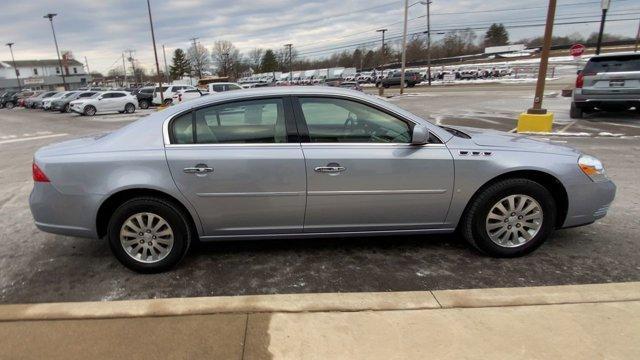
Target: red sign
576, 50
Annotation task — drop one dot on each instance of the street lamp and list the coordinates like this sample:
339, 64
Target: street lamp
427, 3
404, 46
605, 6
50, 17
10, 45
382, 57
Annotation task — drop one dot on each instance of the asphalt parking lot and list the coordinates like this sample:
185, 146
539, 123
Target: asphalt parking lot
39, 267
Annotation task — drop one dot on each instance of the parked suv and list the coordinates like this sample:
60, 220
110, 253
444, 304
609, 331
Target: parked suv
9, 99
145, 96
607, 82
410, 79
108, 101
64, 104
36, 101
167, 92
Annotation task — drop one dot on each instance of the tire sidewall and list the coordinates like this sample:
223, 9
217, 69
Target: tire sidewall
129, 106
144, 104
88, 112
488, 200
169, 213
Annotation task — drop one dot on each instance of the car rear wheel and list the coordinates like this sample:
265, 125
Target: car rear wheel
575, 112
149, 235
510, 218
129, 108
144, 104
9, 105
89, 110
167, 102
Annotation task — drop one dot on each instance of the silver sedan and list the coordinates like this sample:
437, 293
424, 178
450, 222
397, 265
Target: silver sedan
304, 163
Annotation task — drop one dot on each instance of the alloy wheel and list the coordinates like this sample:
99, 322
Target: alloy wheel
514, 220
146, 237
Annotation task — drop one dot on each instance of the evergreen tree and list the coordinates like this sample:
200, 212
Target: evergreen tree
497, 35
269, 62
180, 65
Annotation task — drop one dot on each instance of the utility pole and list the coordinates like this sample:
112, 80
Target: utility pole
50, 17
10, 45
86, 63
155, 53
404, 46
197, 55
166, 68
382, 55
536, 119
605, 6
290, 63
637, 38
428, 3
124, 70
133, 66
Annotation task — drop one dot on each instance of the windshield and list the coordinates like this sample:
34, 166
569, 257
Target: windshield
95, 95
69, 94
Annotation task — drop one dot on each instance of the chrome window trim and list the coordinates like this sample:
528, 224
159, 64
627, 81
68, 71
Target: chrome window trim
167, 121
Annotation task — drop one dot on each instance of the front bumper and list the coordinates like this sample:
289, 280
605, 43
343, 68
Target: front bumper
589, 202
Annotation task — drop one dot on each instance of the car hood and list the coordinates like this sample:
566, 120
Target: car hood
501, 139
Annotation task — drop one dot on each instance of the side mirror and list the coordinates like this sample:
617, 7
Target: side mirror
420, 135
578, 72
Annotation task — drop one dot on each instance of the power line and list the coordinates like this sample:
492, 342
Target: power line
454, 29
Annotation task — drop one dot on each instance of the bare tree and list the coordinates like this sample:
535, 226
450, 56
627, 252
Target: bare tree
255, 56
225, 57
199, 58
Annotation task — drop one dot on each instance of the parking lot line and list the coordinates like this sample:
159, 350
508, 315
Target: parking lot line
31, 138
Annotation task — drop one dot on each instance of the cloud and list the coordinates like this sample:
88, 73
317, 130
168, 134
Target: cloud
101, 30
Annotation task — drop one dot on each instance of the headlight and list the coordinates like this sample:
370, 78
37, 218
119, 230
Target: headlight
592, 167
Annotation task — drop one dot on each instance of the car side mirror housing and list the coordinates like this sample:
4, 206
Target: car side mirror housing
420, 135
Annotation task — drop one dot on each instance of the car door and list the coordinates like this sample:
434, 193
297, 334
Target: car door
242, 167
118, 101
105, 102
363, 173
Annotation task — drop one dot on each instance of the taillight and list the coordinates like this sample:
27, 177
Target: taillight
38, 175
580, 81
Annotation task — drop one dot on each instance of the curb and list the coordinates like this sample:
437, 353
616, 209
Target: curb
325, 302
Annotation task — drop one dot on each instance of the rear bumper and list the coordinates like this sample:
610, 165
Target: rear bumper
589, 202
583, 99
57, 213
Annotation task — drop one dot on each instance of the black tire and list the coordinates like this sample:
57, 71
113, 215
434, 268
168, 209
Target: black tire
144, 104
129, 108
167, 102
575, 112
473, 226
176, 219
9, 105
89, 110
65, 108
386, 86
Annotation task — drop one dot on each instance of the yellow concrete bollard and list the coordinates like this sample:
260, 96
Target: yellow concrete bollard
535, 122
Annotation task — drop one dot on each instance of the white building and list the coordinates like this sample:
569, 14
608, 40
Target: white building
43, 74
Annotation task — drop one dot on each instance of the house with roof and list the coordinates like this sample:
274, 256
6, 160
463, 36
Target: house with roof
43, 74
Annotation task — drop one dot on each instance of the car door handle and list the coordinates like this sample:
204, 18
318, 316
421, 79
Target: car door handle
329, 169
198, 170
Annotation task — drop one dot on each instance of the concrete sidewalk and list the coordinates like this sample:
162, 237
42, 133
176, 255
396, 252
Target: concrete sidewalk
577, 322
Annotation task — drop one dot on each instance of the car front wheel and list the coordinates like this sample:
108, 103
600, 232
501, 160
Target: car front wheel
149, 235
144, 104
89, 110
510, 218
129, 108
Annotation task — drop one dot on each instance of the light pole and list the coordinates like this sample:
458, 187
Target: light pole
382, 55
166, 69
155, 53
428, 3
10, 45
196, 53
605, 6
637, 38
404, 46
50, 17
290, 63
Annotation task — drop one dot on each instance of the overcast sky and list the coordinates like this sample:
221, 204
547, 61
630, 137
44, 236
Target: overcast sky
101, 30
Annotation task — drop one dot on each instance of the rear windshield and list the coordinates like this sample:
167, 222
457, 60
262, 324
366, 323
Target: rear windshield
613, 64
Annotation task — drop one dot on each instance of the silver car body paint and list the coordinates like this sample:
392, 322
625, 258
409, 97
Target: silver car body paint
272, 190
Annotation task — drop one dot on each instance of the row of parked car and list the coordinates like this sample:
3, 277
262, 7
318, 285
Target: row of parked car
93, 100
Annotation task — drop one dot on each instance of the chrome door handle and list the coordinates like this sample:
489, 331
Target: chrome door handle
198, 170
329, 169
